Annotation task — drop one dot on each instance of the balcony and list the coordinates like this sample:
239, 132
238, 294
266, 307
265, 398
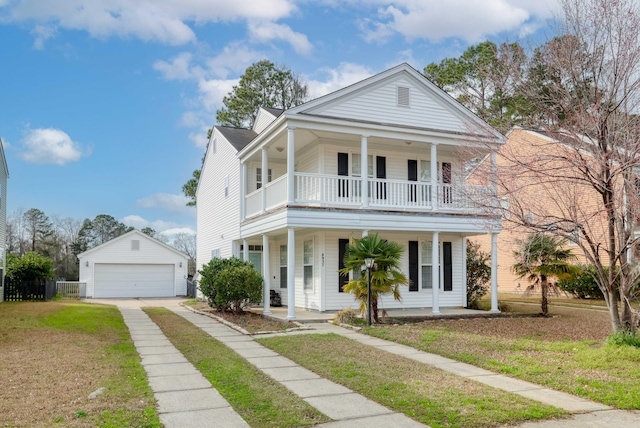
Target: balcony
321, 190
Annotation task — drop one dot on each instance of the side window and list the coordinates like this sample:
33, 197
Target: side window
283, 266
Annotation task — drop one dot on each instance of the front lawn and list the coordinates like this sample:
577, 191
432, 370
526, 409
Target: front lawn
53, 355
427, 394
567, 352
260, 400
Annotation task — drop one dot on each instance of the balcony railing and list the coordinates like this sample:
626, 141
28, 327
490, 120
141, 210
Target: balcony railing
345, 191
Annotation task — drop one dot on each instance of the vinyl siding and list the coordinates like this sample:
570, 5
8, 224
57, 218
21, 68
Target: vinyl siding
263, 119
416, 299
118, 251
379, 104
217, 215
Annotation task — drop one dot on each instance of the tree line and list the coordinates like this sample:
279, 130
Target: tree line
60, 239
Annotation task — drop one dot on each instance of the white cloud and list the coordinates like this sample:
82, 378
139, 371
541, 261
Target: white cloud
160, 226
265, 32
163, 21
234, 59
51, 146
167, 201
338, 78
42, 33
179, 68
470, 20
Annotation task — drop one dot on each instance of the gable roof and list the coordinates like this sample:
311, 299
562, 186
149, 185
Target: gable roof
274, 111
346, 104
130, 234
238, 137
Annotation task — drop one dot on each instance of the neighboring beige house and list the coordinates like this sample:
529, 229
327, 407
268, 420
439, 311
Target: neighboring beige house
542, 199
4, 175
383, 155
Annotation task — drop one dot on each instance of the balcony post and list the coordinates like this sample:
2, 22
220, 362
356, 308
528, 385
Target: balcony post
291, 165
434, 176
243, 191
245, 250
494, 178
435, 273
291, 274
364, 171
265, 178
494, 273
266, 292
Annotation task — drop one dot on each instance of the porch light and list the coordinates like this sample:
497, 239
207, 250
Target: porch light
368, 262
279, 148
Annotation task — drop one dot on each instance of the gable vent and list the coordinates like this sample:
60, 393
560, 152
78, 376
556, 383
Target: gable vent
403, 96
135, 245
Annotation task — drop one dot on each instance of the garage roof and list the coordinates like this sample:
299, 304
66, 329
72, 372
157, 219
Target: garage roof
128, 235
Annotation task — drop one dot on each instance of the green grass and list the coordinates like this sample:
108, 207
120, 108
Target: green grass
429, 395
601, 372
64, 351
260, 400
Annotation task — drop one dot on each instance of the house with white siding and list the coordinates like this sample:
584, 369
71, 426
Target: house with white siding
4, 175
386, 155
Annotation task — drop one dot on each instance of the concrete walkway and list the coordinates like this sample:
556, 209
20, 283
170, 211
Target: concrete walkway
185, 398
192, 402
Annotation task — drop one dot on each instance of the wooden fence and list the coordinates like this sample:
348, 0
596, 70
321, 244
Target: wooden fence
33, 290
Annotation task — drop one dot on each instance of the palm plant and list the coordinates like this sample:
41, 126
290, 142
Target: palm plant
386, 276
540, 257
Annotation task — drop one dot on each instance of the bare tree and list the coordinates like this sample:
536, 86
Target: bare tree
186, 242
585, 87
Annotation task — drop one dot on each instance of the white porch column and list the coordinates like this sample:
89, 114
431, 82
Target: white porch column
266, 274
435, 273
364, 171
291, 166
245, 250
265, 178
464, 271
291, 274
494, 182
243, 191
494, 273
434, 176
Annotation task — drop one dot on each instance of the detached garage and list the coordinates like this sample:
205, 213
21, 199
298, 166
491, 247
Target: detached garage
134, 265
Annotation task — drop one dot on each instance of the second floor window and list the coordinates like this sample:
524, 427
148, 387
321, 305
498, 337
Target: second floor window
259, 178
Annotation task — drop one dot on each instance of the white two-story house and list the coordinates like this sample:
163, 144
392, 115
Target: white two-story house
386, 155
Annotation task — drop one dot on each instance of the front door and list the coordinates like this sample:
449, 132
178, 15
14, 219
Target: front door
256, 260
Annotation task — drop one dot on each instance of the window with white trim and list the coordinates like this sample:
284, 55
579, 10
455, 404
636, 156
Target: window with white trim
427, 264
307, 263
259, 181
226, 186
283, 266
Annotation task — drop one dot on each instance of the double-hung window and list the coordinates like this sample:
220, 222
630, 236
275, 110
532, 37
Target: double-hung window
307, 263
283, 266
427, 264
260, 179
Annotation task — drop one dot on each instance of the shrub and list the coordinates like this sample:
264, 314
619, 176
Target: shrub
625, 337
230, 284
583, 285
347, 315
478, 274
31, 266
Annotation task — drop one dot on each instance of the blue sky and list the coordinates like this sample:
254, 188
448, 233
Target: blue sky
104, 105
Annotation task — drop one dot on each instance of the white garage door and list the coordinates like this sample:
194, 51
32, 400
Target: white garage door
140, 280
